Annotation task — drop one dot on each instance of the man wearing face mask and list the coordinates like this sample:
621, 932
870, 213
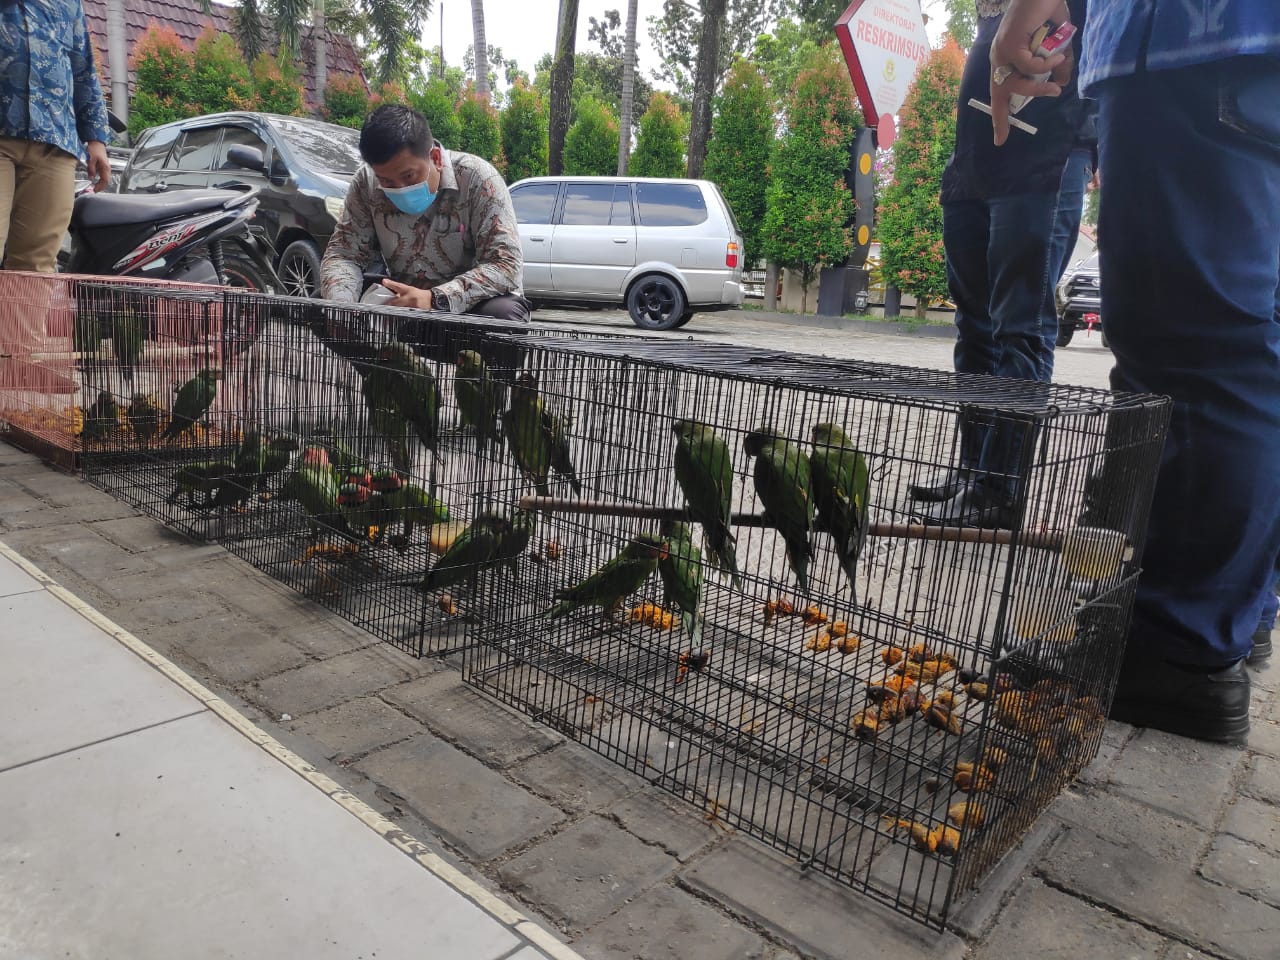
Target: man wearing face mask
441, 219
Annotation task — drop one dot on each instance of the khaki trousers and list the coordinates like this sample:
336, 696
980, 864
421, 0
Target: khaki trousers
37, 181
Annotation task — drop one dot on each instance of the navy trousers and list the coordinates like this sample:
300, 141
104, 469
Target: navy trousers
1189, 228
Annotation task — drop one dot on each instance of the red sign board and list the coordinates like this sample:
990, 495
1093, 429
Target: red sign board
884, 43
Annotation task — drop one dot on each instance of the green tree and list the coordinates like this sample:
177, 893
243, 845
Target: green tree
524, 134
220, 79
277, 88
962, 21
346, 102
591, 146
738, 156
782, 52
594, 75
910, 214
677, 35
660, 146
1091, 200
808, 205
433, 100
478, 130
163, 67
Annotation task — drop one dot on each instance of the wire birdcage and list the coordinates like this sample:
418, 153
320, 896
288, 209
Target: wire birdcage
890, 702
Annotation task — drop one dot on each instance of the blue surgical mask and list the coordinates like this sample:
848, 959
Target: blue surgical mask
412, 200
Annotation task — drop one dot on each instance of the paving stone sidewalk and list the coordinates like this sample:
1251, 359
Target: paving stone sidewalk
1166, 849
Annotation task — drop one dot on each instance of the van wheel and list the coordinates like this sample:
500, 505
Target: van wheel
655, 302
1064, 334
688, 315
299, 269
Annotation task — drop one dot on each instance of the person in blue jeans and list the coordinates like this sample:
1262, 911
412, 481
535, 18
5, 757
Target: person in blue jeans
1189, 150
1003, 236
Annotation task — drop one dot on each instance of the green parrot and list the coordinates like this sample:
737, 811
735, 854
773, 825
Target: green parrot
204, 477
704, 470
479, 399
413, 390
86, 335
841, 493
785, 487
409, 504
681, 571
243, 481
313, 485
538, 438
128, 336
341, 456
276, 459
364, 510
195, 397
515, 540
475, 548
101, 418
616, 580
143, 414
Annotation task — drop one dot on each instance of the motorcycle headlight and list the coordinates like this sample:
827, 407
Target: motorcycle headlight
333, 205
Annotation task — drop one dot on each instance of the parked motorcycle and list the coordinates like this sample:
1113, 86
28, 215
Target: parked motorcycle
197, 236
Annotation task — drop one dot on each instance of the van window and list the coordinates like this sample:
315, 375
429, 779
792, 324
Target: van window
151, 155
197, 148
535, 202
670, 204
588, 205
621, 215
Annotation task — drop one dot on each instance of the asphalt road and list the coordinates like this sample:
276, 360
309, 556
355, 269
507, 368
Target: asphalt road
1084, 362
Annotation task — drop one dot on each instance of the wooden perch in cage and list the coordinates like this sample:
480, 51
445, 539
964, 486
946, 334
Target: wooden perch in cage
1092, 552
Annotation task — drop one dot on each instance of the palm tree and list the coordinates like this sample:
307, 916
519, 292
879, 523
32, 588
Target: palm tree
628, 90
481, 48
561, 86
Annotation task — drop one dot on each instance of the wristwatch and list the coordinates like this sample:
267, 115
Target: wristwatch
1000, 74
440, 301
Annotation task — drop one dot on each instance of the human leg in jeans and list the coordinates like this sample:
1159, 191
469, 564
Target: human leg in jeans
999, 266
1189, 296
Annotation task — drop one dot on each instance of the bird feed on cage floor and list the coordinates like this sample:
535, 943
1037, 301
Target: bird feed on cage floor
742, 605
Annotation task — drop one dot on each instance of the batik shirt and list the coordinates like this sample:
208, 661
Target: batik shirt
49, 90
465, 248
1123, 37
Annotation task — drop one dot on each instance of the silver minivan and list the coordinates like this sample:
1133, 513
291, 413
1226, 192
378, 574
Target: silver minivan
662, 248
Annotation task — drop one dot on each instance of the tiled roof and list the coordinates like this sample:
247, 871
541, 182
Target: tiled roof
186, 19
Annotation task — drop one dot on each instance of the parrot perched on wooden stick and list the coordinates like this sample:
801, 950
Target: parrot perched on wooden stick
128, 337
616, 580
537, 437
704, 471
785, 487
841, 493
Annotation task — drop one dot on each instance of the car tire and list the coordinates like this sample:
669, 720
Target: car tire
1065, 332
299, 269
655, 302
688, 315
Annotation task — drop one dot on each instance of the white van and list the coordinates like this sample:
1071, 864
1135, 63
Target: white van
664, 248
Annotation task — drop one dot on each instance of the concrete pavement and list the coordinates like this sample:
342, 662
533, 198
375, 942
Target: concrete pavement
1165, 849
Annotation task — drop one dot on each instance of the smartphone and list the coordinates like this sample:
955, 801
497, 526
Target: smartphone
1045, 42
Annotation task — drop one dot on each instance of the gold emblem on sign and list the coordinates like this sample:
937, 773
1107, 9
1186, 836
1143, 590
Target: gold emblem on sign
888, 71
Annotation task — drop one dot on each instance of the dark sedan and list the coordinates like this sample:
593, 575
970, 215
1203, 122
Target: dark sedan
306, 167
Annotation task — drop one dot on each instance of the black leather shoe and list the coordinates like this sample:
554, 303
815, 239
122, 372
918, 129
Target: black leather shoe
1261, 652
973, 506
1202, 704
941, 486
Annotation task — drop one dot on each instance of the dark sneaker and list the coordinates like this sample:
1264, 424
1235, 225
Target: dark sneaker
942, 486
1201, 704
1261, 652
973, 506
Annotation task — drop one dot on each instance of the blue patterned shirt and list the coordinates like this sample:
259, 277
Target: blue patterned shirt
49, 90
1182, 33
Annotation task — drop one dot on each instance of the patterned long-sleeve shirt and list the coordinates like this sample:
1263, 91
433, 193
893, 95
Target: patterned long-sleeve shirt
465, 248
49, 90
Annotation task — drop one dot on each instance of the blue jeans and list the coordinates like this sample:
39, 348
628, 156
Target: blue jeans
1001, 273
1066, 226
1190, 263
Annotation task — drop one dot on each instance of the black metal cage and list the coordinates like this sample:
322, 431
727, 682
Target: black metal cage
891, 702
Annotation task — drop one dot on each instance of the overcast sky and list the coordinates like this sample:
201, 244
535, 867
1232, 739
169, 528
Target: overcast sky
526, 29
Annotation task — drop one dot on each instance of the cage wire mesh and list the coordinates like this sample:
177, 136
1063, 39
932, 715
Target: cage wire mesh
323, 443
892, 704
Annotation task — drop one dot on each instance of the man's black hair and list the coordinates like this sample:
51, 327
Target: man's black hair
392, 127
